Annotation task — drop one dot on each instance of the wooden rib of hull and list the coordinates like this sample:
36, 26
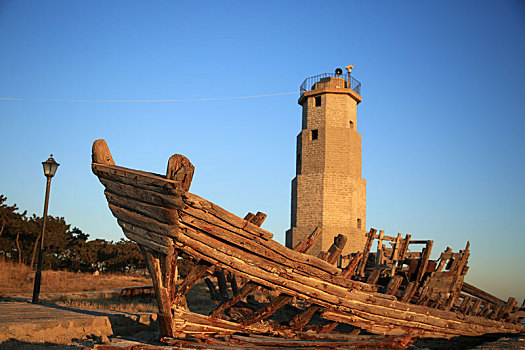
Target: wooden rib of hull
160, 216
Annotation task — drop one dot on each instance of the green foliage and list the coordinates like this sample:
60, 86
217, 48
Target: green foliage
65, 248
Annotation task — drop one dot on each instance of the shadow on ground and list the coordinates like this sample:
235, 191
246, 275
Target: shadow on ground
13, 344
487, 341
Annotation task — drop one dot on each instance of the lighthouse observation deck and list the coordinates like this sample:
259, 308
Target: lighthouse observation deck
331, 81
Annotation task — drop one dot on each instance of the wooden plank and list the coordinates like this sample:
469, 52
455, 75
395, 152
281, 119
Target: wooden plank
205, 220
487, 307
180, 170
396, 248
325, 296
507, 308
366, 252
247, 289
205, 208
464, 304
439, 300
423, 314
379, 256
301, 258
393, 285
143, 195
424, 295
404, 249
386, 325
419, 242
221, 281
443, 259
195, 273
334, 253
281, 281
250, 249
137, 178
168, 266
373, 277
425, 255
300, 320
249, 217
258, 219
324, 288
164, 241
267, 310
350, 269
146, 242
449, 304
187, 322
459, 264
233, 283
251, 287
457, 269
469, 306
409, 291
385, 238
322, 255
495, 312
395, 254
143, 221
214, 295
335, 250
322, 342
161, 293
327, 328
164, 215
475, 308
472, 290
308, 243
100, 153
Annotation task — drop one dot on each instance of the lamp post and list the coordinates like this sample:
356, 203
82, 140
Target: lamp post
50, 168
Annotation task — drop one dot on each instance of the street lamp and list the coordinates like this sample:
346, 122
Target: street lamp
50, 168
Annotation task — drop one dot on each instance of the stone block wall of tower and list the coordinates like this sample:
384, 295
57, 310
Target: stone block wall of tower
328, 190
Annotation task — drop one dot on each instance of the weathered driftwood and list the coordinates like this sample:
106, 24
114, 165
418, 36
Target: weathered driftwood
391, 291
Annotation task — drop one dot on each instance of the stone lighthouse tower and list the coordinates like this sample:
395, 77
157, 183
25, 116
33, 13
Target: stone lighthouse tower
328, 191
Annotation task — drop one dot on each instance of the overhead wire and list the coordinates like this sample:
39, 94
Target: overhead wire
144, 101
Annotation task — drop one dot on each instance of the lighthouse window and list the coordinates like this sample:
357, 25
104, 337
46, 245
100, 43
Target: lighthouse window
358, 223
351, 124
317, 101
315, 134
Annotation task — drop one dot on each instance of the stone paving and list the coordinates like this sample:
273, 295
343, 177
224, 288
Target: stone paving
28, 322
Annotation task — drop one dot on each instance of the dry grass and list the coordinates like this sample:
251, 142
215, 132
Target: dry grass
199, 300
19, 279
114, 303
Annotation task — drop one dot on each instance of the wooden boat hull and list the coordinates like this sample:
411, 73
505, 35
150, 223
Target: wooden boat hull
168, 222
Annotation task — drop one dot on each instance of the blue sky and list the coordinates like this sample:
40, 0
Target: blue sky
441, 118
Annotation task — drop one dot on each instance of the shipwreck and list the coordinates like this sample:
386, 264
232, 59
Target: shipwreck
392, 291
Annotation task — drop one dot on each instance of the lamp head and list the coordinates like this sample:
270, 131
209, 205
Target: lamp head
50, 167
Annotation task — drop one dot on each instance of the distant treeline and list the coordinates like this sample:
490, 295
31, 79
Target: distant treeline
65, 248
